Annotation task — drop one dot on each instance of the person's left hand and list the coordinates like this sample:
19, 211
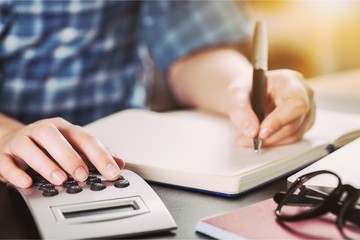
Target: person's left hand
290, 109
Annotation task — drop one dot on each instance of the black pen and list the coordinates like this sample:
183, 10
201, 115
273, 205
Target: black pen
259, 85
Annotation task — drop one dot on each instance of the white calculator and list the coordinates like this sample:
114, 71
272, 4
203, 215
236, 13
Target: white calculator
96, 208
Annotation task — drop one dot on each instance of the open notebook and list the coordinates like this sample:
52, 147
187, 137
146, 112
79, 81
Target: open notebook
345, 163
198, 150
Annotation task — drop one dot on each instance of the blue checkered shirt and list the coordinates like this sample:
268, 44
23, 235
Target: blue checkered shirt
79, 59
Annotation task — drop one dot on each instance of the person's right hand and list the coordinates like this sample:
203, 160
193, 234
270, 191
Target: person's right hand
290, 109
53, 148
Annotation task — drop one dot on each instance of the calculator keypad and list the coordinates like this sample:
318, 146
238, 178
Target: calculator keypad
72, 186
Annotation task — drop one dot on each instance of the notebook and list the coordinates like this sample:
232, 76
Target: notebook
345, 162
198, 151
258, 221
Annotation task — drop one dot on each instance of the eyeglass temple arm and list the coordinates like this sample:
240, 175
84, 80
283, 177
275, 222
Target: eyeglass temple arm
305, 197
313, 198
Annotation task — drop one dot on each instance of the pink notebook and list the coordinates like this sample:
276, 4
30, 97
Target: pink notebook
259, 221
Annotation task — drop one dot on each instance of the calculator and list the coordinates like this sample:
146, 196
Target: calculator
95, 208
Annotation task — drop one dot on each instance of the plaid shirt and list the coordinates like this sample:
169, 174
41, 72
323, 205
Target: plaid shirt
79, 59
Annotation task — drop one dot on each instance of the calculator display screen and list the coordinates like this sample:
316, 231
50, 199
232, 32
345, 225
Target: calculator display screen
97, 211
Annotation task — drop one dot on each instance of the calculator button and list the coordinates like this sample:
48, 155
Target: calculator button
97, 186
93, 171
92, 180
36, 177
48, 192
70, 183
74, 189
45, 185
121, 183
70, 178
91, 175
39, 182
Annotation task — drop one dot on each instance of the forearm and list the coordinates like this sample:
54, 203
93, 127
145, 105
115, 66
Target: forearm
203, 79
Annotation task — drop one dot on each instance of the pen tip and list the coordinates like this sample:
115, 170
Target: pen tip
257, 145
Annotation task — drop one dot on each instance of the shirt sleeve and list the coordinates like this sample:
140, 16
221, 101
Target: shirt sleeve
172, 29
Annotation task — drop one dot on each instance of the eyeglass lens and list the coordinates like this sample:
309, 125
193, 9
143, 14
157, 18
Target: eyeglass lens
308, 195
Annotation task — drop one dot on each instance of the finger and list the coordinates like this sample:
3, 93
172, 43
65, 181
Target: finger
24, 148
91, 147
284, 136
85, 143
241, 112
244, 141
292, 99
119, 162
287, 134
283, 140
116, 157
50, 138
288, 111
10, 172
292, 132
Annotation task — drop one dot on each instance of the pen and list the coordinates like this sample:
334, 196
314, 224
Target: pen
259, 85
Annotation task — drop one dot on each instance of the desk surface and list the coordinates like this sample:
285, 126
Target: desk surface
186, 208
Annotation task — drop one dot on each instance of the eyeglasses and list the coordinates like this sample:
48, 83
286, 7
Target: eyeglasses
307, 198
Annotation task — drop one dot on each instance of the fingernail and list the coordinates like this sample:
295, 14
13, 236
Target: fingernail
112, 171
265, 132
80, 174
22, 181
57, 177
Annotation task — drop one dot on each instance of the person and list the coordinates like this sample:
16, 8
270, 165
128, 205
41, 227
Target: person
67, 63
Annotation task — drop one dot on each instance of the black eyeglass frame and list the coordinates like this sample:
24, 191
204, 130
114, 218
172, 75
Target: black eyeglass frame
332, 202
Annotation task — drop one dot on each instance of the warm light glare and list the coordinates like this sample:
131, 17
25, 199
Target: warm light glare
314, 37
332, 5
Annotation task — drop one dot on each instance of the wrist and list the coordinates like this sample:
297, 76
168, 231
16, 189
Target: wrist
8, 125
203, 80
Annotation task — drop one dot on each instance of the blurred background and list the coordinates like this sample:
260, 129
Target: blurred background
313, 37
319, 38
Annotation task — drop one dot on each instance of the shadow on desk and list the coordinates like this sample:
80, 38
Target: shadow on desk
15, 221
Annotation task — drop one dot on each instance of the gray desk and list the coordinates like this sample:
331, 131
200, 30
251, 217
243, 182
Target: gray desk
186, 207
